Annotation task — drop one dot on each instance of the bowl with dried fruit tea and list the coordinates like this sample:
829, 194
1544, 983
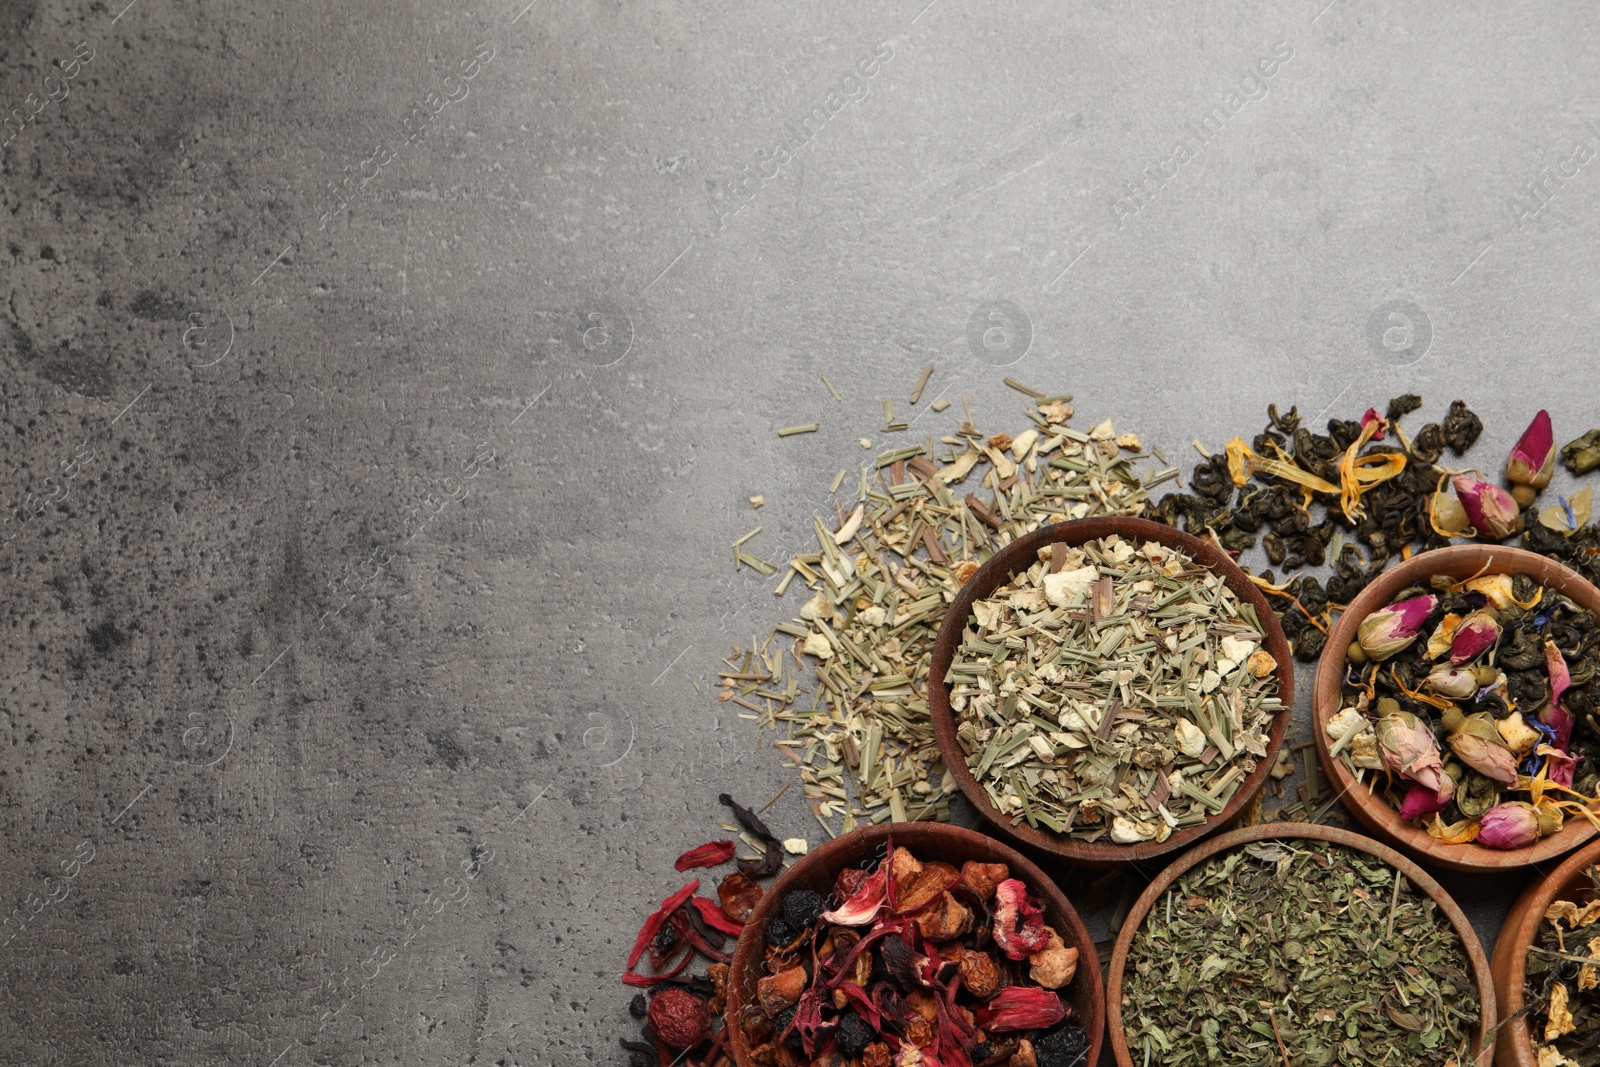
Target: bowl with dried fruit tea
1297, 943
1113, 690
1455, 707
1546, 967
903, 943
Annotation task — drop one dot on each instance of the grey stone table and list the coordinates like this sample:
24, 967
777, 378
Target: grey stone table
383, 384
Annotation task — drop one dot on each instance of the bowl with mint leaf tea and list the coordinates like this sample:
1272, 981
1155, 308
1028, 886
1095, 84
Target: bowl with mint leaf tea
1112, 690
1298, 944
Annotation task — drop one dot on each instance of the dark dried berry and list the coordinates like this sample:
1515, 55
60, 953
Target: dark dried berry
780, 931
1065, 1046
638, 1006
853, 1035
802, 908
792, 1039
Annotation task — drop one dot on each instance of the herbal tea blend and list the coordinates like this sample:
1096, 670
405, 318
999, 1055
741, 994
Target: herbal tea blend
915, 962
1563, 982
882, 578
682, 1015
1475, 700
1297, 952
1113, 689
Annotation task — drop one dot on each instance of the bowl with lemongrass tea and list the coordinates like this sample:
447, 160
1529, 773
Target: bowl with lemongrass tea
913, 943
1113, 690
1455, 707
1546, 966
1300, 944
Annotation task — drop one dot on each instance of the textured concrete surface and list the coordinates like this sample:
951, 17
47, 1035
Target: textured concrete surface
383, 383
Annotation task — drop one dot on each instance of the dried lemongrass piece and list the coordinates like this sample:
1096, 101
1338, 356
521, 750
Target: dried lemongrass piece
864, 747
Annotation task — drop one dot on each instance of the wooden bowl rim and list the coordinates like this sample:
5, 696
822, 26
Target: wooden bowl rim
1086, 991
1376, 815
1510, 960
1481, 974
1022, 552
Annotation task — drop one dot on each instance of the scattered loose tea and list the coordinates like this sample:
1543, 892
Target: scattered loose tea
910, 962
1302, 953
1113, 689
880, 581
683, 1010
1563, 981
1476, 701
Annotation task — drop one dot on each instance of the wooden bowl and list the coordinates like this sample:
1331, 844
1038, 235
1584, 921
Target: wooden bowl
1021, 554
1514, 1043
927, 841
1458, 562
1290, 831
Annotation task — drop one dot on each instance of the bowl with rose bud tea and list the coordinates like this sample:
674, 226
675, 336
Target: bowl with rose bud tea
1455, 707
908, 943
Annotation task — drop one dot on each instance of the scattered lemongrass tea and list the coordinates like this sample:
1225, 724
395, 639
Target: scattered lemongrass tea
960, 964
923, 518
1470, 707
1297, 952
1563, 982
1113, 689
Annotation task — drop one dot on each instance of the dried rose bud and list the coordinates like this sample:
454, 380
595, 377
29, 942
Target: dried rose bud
1477, 743
1409, 748
1513, 824
979, 974
1021, 1008
1490, 508
1476, 635
777, 991
1019, 927
982, 878
1533, 458
1452, 682
1054, 965
1420, 800
679, 1018
1392, 629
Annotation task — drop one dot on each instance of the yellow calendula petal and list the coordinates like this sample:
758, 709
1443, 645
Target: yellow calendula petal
1456, 833
1439, 643
1559, 1019
1242, 463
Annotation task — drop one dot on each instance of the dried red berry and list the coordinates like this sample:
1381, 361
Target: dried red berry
679, 1018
